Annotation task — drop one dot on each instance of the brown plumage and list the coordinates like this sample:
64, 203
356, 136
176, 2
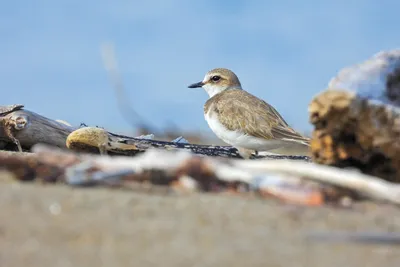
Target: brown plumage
239, 110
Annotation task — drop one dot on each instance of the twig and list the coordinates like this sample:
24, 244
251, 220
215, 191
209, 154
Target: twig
110, 64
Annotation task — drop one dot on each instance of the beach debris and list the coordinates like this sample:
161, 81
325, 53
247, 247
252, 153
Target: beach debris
357, 119
290, 181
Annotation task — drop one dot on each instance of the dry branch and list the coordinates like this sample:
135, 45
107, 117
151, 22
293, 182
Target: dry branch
111, 65
90, 139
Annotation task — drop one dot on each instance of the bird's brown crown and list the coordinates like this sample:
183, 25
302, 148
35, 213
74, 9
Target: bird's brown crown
222, 77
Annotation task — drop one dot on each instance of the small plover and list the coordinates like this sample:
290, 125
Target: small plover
244, 121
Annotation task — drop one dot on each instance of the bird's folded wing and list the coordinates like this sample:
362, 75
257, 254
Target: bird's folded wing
284, 134
255, 117
281, 130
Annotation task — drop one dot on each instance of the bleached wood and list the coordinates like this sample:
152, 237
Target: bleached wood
255, 173
37, 129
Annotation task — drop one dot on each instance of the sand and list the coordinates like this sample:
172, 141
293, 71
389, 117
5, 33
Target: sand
56, 225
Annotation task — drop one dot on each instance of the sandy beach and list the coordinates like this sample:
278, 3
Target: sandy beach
56, 225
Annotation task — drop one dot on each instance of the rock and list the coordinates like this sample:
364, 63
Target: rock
357, 119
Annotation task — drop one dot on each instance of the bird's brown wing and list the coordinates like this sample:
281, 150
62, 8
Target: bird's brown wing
239, 110
281, 130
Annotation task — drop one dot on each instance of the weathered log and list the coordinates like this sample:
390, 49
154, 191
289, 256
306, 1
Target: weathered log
29, 128
357, 119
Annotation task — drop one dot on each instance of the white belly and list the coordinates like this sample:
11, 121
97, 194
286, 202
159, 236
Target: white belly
240, 139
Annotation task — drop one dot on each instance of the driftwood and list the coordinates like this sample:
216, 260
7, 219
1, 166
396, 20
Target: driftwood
175, 171
293, 181
33, 128
357, 120
30, 128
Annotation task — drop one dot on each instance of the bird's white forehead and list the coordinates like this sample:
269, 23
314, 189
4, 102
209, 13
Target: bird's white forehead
209, 75
206, 77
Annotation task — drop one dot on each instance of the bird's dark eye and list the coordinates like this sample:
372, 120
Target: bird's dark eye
215, 78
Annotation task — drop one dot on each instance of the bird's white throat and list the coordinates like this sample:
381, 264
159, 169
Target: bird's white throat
212, 89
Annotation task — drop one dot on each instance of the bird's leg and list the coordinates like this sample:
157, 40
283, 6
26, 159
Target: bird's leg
244, 152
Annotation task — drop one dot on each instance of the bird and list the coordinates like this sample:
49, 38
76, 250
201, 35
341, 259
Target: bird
245, 121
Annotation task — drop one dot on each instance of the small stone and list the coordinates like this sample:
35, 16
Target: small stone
55, 208
180, 140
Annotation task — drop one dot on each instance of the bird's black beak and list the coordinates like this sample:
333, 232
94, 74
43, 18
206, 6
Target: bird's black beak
196, 85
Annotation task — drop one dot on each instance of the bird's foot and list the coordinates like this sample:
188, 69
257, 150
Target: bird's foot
245, 153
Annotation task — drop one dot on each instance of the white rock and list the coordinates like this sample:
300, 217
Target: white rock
368, 79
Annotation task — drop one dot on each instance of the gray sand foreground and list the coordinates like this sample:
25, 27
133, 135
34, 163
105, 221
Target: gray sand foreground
54, 225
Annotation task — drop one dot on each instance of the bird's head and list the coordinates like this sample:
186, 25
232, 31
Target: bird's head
217, 80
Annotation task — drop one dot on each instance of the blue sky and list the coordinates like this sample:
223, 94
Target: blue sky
283, 51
